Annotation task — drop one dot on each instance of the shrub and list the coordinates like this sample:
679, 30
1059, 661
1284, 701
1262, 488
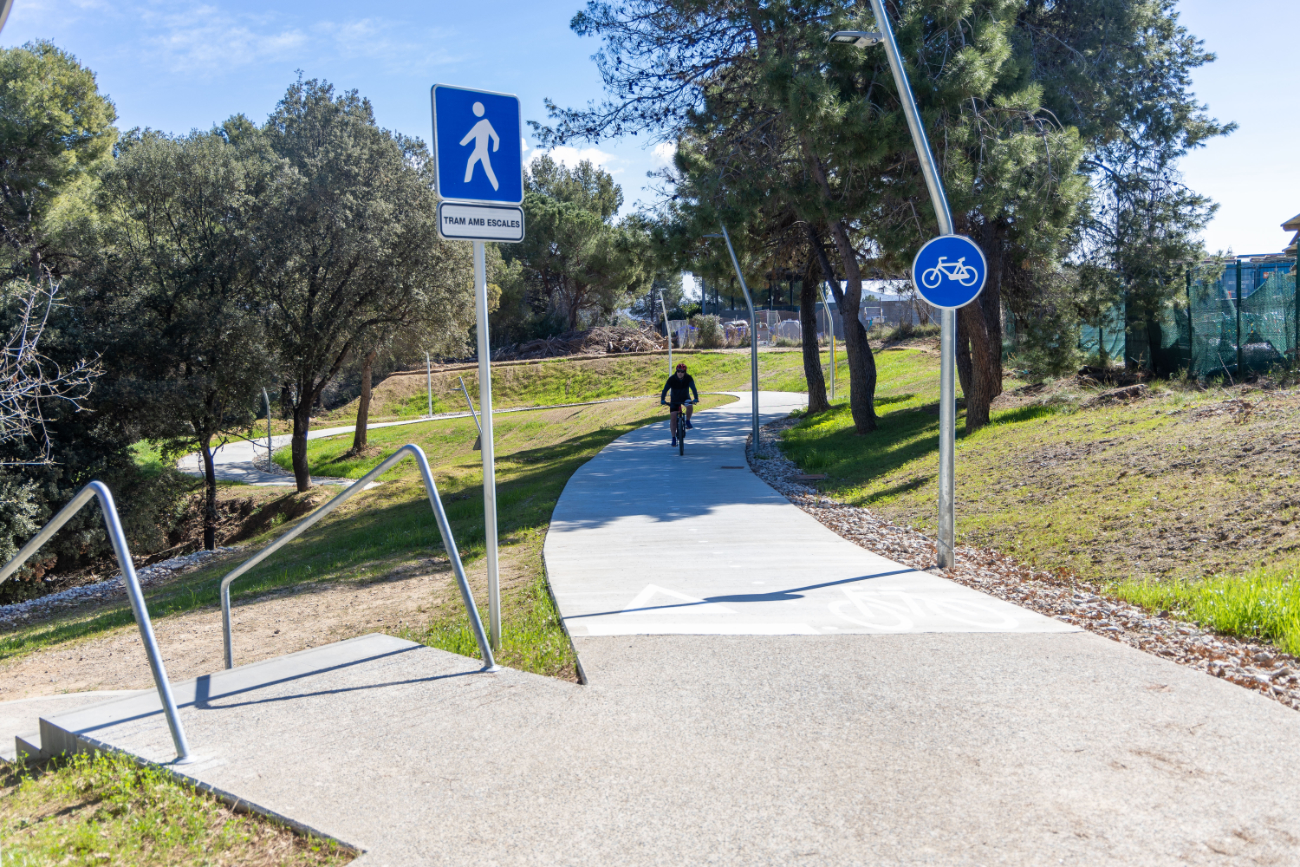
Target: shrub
709, 333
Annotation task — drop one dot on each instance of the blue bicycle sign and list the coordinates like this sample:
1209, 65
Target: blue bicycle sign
949, 271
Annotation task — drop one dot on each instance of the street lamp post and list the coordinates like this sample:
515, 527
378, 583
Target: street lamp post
753, 335
830, 330
667, 331
948, 318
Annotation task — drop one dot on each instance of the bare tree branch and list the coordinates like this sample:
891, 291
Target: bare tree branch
28, 377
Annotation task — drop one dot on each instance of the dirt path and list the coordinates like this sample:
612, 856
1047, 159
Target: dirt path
277, 623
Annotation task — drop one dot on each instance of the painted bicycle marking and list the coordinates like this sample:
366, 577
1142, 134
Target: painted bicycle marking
900, 611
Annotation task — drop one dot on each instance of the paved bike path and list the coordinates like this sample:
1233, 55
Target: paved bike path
646, 542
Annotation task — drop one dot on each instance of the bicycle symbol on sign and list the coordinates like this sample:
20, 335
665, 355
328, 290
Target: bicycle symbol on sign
959, 271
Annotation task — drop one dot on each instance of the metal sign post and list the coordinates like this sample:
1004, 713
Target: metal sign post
948, 317
753, 336
428, 381
489, 456
478, 156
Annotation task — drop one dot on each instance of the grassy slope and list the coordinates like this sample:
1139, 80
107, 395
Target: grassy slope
107, 810
389, 527
1150, 498
570, 380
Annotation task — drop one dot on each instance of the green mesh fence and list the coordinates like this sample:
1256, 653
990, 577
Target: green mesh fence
1200, 333
1105, 340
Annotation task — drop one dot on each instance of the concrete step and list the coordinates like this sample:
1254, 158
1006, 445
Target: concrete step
19, 718
29, 747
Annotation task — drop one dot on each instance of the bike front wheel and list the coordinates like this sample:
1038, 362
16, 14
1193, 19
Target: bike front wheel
930, 279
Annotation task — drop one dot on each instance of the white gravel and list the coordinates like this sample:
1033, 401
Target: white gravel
102, 591
1256, 666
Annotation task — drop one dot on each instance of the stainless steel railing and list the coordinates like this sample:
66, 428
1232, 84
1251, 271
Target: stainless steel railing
444, 528
132, 582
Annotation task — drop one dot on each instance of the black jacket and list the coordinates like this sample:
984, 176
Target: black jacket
680, 388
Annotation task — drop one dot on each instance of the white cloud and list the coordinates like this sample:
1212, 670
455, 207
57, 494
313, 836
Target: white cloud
663, 153
201, 37
569, 157
204, 37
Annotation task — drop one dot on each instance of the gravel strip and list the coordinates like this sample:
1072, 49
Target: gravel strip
1256, 666
103, 591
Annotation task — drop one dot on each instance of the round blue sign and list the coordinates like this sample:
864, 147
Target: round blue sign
949, 271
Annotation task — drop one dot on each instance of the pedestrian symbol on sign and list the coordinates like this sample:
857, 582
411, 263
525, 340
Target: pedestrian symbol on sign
477, 146
480, 134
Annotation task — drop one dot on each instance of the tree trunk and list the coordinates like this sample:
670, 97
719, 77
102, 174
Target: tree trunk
857, 349
812, 352
363, 405
301, 425
979, 342
978, 384
209, 495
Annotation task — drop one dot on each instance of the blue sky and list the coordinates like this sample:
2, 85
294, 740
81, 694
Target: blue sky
180, 65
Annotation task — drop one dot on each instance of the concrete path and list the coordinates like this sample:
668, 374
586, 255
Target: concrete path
947, 743
647, 542
237, 460
1002, 749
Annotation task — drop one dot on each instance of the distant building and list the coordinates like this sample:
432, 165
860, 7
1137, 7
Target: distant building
1292, 225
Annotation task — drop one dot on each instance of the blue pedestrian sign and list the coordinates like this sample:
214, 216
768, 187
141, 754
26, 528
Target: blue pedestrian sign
478, 145
949, 271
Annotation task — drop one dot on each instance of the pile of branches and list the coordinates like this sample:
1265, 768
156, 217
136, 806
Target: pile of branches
606, 340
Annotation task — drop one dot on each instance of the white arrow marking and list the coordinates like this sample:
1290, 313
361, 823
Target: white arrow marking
682, 603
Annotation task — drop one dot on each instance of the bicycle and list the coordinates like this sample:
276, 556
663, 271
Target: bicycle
680, 433
959, 271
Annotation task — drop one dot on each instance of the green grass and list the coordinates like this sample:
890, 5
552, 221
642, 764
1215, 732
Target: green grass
1158, 494
149, 458
552, 382
532, 639
105, 809
390, 526
1262, 604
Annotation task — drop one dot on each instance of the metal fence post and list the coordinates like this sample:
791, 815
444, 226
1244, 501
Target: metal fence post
1240, 374
1191, 328
428, 381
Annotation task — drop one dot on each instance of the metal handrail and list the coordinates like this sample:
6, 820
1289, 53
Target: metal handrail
471, 405
444, 529
114, 526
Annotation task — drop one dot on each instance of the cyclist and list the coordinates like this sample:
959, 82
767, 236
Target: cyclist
682, 386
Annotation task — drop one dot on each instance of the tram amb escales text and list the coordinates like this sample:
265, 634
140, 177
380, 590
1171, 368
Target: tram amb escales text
490, 222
